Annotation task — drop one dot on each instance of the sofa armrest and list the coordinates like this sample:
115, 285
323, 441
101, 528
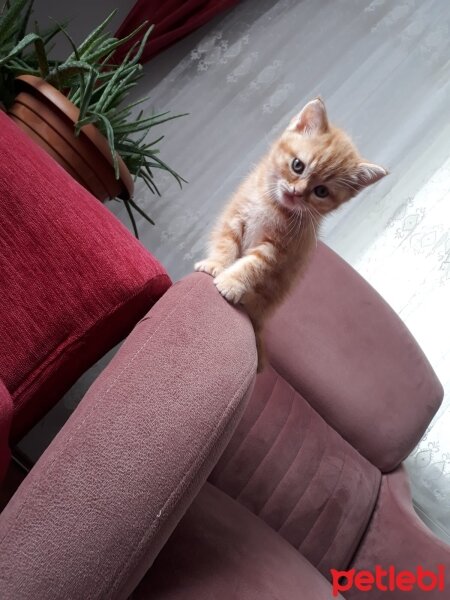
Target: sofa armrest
396, 537
346, 351
101, 502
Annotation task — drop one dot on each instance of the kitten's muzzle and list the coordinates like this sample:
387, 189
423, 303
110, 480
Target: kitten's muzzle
293, 197
298, 192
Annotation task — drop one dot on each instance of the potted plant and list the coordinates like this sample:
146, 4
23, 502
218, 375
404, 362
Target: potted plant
75, 109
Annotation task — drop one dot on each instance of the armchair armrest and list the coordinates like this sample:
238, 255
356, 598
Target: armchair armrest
396, 537
101, 502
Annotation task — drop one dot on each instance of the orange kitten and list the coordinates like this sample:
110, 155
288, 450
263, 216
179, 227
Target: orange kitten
266, 233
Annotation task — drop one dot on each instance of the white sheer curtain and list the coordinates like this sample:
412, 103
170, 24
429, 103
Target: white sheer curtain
382, 68
406, 257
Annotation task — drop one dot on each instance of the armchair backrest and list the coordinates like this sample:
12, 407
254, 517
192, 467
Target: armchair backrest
347, 395
351, 357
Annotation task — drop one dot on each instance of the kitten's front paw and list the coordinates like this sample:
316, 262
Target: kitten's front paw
230, 287
211, 267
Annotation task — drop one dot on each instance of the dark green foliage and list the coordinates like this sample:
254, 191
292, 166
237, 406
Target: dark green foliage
93, 82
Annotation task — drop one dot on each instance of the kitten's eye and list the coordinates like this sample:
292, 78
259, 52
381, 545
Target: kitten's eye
321, 191
298, 166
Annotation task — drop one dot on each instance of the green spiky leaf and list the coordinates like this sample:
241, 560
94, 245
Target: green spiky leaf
95, 83
132, 219
11, 16
93, 37
31, 38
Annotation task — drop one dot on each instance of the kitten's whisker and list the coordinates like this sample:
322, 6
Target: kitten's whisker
312, 224
300, 222
272, 186
317, 213
297, 225
269, 192
290, 227
319, 216
317, 225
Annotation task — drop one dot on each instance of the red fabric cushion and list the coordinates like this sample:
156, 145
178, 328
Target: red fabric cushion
6, 410
74, 280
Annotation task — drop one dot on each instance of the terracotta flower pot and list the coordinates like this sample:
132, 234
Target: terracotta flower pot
48, 117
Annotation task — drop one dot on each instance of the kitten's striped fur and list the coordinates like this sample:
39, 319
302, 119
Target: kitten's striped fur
265, 235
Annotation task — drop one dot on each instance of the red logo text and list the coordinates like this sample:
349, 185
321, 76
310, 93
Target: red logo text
388, 579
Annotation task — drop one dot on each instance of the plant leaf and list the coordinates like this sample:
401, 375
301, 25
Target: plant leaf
143, 43
140, 211
149, 181
132, 105
10, 17
62, 74
94, 35
25, 19
92, 118
116, 43
118, 76
136, 126
110, 137
130, 214
41, 55
163, 165
51, 32
85, 98
26, 41
61, 28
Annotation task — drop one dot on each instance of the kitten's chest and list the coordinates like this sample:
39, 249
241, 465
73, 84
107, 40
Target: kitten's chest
255, 226
253, 235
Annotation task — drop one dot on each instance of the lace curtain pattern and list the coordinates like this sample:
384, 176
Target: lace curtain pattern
382, 68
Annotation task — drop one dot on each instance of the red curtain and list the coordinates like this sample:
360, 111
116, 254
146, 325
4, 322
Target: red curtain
173, 19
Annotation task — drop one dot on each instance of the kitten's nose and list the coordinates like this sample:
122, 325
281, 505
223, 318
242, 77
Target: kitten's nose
298, 190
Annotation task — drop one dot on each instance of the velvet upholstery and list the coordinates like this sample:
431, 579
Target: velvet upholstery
397, 537
289, 467
345, 350
103, 499
73, 280
6, 412
220, 551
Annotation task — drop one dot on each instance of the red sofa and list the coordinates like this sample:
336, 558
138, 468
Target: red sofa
73, 283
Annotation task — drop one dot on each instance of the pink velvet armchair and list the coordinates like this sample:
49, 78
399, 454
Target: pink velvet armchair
180, 476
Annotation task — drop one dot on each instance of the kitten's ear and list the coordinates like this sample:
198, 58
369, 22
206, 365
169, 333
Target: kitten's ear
369, 173
312, 118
